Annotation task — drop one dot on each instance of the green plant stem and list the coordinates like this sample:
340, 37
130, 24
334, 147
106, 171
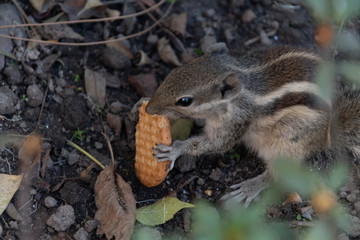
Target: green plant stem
86, 153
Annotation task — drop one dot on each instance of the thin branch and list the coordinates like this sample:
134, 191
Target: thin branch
51, 42
87, 20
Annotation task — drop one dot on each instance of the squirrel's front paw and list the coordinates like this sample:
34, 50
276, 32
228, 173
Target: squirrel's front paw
168, 153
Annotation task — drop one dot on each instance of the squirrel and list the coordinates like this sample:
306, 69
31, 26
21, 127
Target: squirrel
267, 100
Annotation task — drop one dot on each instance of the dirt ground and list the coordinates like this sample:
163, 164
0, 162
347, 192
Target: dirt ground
52, 85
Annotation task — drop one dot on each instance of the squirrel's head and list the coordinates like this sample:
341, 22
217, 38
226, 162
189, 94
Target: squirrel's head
188, 91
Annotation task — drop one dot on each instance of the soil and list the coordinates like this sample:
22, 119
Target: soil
67, 110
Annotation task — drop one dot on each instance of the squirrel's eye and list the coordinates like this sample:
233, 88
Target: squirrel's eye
184, 101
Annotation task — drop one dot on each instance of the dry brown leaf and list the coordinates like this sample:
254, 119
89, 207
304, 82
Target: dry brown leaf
116, 205
177, 23
30, 149
121, 47
57, 32
115, 121
41, 6
80, 9
95, 86
167, 54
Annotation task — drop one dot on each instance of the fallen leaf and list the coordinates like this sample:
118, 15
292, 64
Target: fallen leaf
30, 150
145, 84
115, 121
8, 186
92, 8
161, 211
177, 23
166, 53
57, 32
116, 205
80, 9
181, 129
41, 6
121, 47
95, 86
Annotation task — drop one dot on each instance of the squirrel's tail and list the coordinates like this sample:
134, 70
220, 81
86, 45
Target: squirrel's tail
347, 118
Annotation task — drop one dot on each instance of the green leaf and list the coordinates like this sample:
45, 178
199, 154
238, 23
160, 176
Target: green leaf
325, 79
350, 70
338, 176
161, 211
181, 129
8, 186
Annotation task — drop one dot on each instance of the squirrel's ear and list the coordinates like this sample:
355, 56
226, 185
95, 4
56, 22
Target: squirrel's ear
217, 49
230, 85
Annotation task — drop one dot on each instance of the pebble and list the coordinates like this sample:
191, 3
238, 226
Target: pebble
116, 107
7, 105
32, 192
68, 92
210, 12
206, 42
13, 74
152, 39
145, 84
14, 225
61, 82
98, 145
57, 98
351, 197
91, 225
215, 174
114, 59
34, 95
50, 202
62, 219
59, 90
81, 234
248, 16
73, 157
357, 206
354, 230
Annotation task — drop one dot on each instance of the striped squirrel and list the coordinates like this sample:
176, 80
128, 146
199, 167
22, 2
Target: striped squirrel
266, 100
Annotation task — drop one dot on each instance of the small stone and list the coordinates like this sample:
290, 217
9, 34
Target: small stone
342, 236
13, 74
98, 145
116, 107
8, 100
357, 206
62, 219
91, 225
51, 85
200, 181
68, 92
208, 192
34, 95
59, 90
32, 192
57, 98
206, 42
248, 16
50, 202
114, 59
152, 39
73, 157
209, 12
81, 234
14, 225
352, 197
354, 230
61, 82
215, 174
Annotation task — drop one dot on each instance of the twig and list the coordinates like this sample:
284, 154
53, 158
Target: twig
85, 152
42, 108
110, 148
51, 42
87, 20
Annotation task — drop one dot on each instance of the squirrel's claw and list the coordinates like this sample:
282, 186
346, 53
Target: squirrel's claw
245, 191
164, 153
